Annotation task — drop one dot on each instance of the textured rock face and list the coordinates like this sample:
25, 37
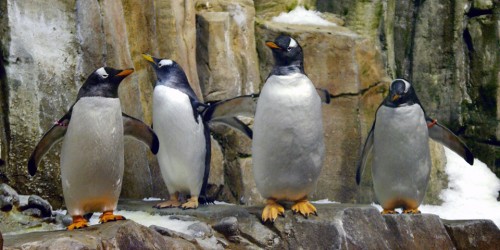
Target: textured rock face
456, 80
478, 234
48, 53
236, 227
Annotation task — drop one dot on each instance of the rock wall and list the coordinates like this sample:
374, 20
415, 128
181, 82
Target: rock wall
449, 50
48, 52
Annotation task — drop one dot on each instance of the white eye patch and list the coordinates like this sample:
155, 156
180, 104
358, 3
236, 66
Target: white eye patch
102, 72
165, 62
293, 43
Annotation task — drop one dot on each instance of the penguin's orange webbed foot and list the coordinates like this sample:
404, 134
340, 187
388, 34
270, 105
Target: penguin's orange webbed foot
192, 203
272, 210
412, 211
78, 222
172, 202
304, 207
389, 211
108, 216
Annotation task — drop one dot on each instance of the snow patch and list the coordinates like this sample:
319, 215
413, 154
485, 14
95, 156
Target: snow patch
325, 201
300, 15
147, 219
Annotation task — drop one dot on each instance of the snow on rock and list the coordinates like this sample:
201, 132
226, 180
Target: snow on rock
300, 15
147, 219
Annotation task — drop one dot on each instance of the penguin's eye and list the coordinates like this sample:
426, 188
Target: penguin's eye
289, 48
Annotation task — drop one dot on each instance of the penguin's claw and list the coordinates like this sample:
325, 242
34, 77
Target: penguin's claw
108, 216
304, 207
78, 222
389, 211
192, 203
412, 211
168, 204
272, 210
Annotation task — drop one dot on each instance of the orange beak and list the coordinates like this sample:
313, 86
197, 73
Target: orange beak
125, 72
395, 97
272, 45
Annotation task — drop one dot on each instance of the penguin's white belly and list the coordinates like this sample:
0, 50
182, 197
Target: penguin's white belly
182, 141
288, 148
401, 163
92, 156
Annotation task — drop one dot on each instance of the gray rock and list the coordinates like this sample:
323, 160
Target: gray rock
228, 226
9, 193
35, 201
35, 212
117, 235
337, 226
201, 230
476, 234
6, 203
171, 233
182, 217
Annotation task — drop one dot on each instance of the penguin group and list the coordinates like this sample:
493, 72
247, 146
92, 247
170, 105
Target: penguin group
288, 147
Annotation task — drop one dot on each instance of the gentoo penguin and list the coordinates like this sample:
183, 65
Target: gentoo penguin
184, 154
399, 142
92, 151
287, 147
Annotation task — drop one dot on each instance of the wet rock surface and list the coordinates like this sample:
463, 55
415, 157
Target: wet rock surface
337, 226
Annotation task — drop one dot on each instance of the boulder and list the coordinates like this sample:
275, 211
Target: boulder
473, 234
116, 235
8, 198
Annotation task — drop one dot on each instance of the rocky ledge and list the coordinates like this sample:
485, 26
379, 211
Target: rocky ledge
338, 226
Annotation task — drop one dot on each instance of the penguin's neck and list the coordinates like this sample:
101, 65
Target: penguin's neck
175, 78
294, 67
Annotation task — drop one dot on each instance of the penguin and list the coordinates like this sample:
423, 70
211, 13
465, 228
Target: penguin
184, 154
92, 154
399, 143
287, 147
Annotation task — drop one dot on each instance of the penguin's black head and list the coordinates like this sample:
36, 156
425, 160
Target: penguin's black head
401, 92
167, 70
286, 51
104, 82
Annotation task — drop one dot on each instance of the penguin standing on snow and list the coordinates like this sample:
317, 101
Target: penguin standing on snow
92, 152
399, 142
184, 154
287, 147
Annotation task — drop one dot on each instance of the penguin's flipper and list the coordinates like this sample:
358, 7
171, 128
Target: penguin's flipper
202, 198
325, 96
242, 105
443, 135
49, 139
236, 124
140, 131
367, 149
